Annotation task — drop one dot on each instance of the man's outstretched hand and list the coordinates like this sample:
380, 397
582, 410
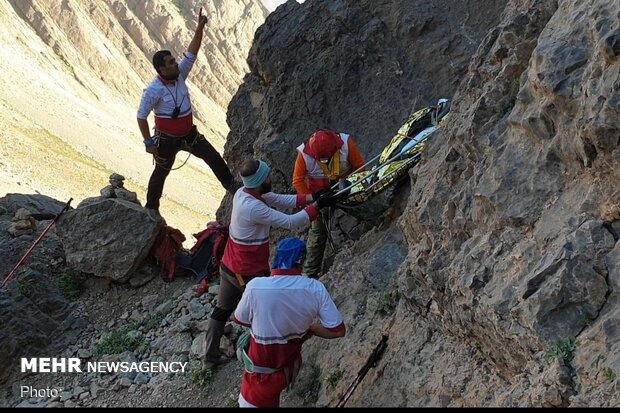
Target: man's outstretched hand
319, 194
327, 199
194, 45
202, 20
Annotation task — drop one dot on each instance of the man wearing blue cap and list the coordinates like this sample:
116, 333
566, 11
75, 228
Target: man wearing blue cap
280, 311
246, 255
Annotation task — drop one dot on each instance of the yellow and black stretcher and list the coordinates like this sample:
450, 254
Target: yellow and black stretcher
402, 153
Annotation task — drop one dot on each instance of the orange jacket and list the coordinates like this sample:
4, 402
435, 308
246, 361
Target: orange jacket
300, 171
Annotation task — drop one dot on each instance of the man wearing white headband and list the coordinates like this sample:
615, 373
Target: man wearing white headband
247, 251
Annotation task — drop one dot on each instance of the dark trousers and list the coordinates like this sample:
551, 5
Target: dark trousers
168, 147
228, 297
317, 240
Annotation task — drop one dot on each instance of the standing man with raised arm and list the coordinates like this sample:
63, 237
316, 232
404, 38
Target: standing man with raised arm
168, 97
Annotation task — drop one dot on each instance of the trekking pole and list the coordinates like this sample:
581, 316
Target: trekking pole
36, 242
371, 362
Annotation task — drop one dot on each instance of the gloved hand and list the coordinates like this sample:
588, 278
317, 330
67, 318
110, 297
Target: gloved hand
328, 199
150, 145
318, 194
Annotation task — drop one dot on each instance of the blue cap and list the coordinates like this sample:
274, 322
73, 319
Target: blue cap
290, 253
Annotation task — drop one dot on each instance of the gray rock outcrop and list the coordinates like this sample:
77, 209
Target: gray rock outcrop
506, 295
107, 239
32, 307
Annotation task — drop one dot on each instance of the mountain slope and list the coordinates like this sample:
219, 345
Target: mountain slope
493, 271
78, 70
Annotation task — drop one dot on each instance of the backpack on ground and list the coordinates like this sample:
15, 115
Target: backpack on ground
204, 258
168, 244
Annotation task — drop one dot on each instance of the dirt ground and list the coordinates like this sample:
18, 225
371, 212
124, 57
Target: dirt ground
105, 307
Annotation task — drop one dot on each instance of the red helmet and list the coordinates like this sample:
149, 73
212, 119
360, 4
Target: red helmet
323, 144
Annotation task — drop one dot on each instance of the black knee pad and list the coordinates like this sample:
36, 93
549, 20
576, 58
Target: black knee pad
220, 314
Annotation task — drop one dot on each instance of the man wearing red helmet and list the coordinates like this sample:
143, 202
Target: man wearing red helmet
321, 161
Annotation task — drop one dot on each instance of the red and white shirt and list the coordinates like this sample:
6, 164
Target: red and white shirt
247, 249
162, 96
279, 310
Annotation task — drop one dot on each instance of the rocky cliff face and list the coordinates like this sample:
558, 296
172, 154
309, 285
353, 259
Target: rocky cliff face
495, 275
78, 69
356, 67
359, 67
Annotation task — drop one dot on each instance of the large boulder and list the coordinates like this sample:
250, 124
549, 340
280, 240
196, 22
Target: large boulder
108, 239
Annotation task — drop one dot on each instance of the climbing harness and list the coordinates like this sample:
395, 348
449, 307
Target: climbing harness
158, 162
290, 372
334, 173
242, 345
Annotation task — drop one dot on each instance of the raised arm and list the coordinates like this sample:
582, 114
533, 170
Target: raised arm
194, 45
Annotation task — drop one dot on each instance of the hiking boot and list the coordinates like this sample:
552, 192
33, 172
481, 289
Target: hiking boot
211, 363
